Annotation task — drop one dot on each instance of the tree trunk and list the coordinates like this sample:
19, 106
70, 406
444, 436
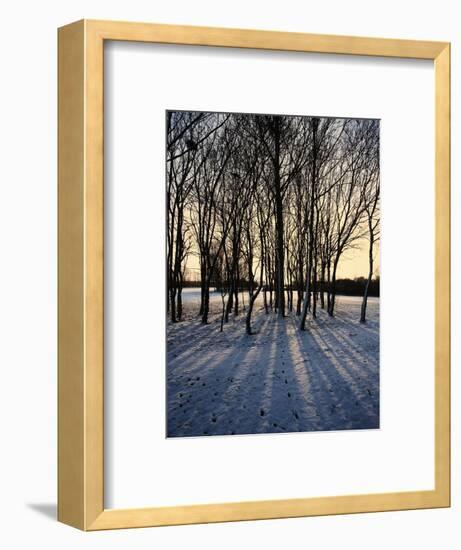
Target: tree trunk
250, 310
363, 310
322, 286
206, 304
315, 123
179, 301
299, 302
173, 304
279, 223
300, 288
229, 302
202, 287
314, 293
236, 300
302, 325
331, 309
224, 308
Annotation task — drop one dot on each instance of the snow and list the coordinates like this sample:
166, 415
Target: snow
277, 380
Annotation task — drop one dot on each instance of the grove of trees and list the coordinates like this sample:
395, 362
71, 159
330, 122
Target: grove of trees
269, 205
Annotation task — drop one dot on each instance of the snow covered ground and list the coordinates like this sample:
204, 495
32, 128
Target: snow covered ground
278, 380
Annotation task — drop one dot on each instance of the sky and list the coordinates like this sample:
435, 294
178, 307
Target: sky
353, 263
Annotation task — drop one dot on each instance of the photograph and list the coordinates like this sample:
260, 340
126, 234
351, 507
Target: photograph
272, 301
204, 206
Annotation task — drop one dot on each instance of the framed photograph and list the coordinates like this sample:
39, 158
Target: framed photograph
254, 292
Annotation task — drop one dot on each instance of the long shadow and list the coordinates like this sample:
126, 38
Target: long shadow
350, 380
257, 388
339, 328
203, 342
322, 371
330, 388
179, 338
280, 406
188, 363
346, 357
195, 338
228, 382
278, 380
367, 360
180, 334
346, 321
294, 407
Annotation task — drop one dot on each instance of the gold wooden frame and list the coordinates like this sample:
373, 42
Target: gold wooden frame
81, 264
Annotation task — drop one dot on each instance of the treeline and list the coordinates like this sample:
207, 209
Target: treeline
346, 287
275, 201
355, 287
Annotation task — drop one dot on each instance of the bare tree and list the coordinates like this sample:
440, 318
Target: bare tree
269, 205
256, 222
322, 175
372, 213
350, 194
282, 139
180, 178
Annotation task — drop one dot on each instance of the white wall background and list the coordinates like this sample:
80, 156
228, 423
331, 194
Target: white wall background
28, 272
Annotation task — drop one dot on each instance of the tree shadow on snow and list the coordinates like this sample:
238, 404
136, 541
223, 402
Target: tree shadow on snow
277, 380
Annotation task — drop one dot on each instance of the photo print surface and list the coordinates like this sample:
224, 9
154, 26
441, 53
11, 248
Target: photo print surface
273, 227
